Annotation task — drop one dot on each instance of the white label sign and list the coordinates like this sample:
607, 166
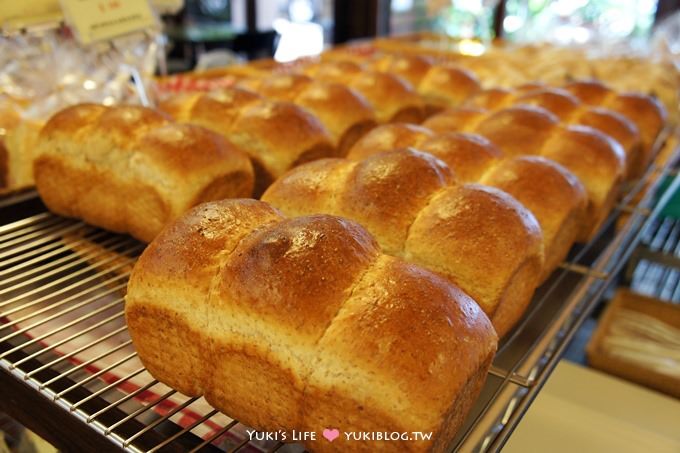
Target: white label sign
100, 20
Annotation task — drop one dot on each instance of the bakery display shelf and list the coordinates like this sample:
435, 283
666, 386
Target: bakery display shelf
70, 372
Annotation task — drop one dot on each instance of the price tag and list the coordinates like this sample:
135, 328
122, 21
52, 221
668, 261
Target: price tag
167, 6
100, 20
19, 14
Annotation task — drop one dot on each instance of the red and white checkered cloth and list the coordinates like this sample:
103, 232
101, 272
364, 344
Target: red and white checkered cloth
183, 418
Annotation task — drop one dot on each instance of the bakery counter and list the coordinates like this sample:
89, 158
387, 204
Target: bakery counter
70, 372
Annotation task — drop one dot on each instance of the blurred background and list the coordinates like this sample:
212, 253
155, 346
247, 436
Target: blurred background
288, 29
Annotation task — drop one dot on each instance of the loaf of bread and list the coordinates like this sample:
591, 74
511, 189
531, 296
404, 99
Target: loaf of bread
479, 237
440, 85
645, 111
276, 135
20, 146
597, 160
345, 113
658, 78
131, 169
17, 142
303, 324
392, 98
9, 120
552, 193
570, 110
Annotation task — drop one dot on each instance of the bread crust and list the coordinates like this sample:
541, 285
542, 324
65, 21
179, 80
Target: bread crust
232, 293
440, 84
530, 128
9, 120
470, 231
376, 185
552, 193
412, 68
446, 86
646, 112
276, 135
469, 156
373, 327
600, 169
131, 170
388, 137
184, 261
342, 110
570, 110
410, 203
597, 160
464, 119
20, 143
392, 97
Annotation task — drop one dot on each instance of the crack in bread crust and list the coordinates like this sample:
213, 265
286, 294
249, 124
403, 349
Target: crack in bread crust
350, 293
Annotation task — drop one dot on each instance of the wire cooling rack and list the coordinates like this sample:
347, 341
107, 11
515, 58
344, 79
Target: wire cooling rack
70, 372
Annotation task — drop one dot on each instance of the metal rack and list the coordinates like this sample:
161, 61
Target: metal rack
69, 370
654, 268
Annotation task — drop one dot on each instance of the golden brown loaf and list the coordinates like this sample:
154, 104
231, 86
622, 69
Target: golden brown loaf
132, 170
479, 237
569, 109
388, 137
9, 120
645, 111
303, 324
440, 85
9, 115
276, 135
345, 113
17, 142
553, 194
411, 68
596, 159
447, 86
392, 98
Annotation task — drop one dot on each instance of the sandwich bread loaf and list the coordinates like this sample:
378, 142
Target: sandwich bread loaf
304, 324
131, 169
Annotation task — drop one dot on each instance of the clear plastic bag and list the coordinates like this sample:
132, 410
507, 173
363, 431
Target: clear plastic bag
666, 39
48, 70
